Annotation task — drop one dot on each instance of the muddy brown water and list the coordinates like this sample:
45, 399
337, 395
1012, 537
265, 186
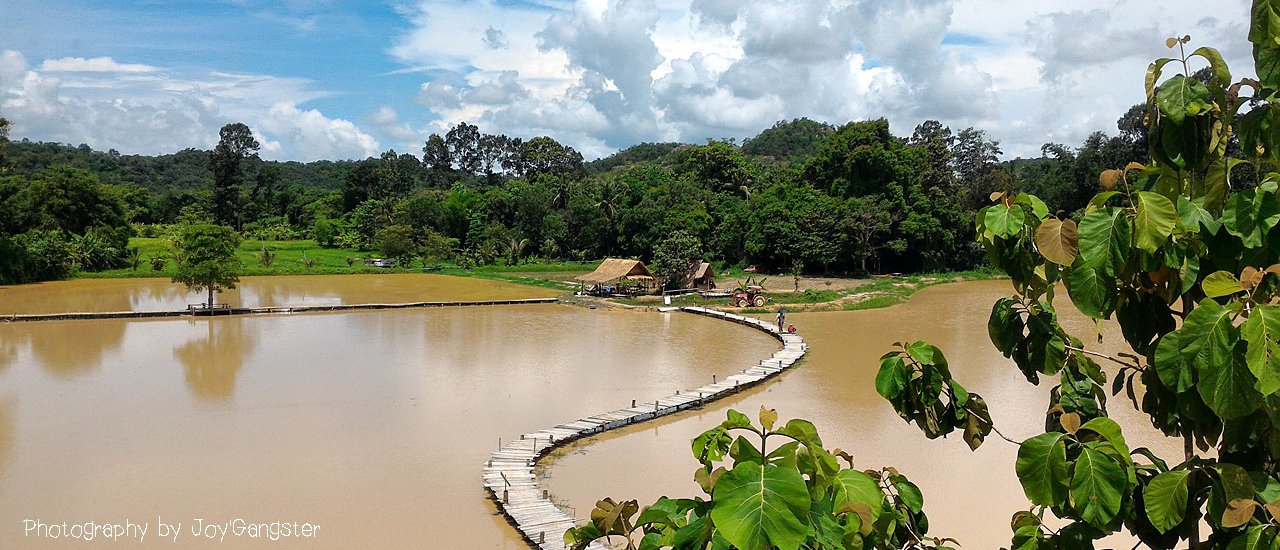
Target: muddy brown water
155, 294
968, 495
374, 425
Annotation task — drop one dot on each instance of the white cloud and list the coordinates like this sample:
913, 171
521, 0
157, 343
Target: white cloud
605, 74
94, 65
143, 109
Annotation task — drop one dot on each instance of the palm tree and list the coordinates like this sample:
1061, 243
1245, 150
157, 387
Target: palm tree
515, 249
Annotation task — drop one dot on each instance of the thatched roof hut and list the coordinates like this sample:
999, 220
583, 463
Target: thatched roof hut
613, 270
702, 276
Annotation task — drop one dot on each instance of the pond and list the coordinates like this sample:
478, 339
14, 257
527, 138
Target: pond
372, 425
969, 495
153, 294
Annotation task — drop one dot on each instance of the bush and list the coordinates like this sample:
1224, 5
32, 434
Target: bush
48, 254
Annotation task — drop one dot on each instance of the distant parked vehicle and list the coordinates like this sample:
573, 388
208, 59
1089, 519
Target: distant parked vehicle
380, 262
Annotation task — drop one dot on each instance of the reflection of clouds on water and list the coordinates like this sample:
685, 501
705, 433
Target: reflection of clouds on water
212, 362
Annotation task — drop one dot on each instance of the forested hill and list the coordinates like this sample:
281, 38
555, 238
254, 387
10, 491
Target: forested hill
186, 170
802, 195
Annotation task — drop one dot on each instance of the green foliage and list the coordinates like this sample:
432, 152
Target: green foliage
789, 141
1188, 265
236, 147
770, 486
205, 257
397, 242
674, 257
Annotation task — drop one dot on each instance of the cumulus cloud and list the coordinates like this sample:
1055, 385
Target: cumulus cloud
144, 109
605, 74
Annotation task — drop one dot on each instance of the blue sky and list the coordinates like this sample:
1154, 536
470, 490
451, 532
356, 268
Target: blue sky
330, 79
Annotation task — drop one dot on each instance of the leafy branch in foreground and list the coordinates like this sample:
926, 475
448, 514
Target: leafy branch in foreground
770, 487
1188, 267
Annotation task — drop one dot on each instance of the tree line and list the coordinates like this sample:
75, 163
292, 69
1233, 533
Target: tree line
801, 196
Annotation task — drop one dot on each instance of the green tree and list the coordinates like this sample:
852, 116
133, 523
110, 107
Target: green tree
69, 199
205, 258
1188, 265
236, 147
463, 142
792, 222
545, 155
674, 256
397, 242
437, 158
720, 166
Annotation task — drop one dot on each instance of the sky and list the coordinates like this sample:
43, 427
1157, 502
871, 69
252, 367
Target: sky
331, 79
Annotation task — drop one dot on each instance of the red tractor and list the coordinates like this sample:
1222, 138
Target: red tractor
751, 295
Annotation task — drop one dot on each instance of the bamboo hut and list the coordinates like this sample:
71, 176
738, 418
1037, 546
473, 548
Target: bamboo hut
614, 273
701, 277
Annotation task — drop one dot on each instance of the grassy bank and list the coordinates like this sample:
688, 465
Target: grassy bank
816, 294
860, 294
334, 261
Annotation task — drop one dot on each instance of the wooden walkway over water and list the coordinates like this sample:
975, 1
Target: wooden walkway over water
259, 310
508, 474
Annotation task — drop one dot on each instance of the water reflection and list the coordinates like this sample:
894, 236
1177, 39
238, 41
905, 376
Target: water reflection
372, 424
159, 294
66, 350
6, 434
212, 361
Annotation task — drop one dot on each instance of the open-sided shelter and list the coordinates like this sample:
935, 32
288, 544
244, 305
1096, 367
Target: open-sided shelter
613, 271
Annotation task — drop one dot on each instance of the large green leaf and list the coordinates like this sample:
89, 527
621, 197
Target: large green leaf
1105, 240
1166, 499
1172, 364
1209, 333
1091, 289
854, 487
1262, 332
1220, 283
1042, 468
1004, 220
1181, 97
1217, 180
759, 506
1097, 483
1155, 221
1058, 241
1229, 388
892, 377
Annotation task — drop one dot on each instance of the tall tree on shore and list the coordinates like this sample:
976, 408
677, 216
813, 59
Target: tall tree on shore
236, 146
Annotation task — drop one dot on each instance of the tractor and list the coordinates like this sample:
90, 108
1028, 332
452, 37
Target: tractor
749, 293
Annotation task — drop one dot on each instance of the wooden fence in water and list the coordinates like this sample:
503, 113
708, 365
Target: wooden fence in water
509, 474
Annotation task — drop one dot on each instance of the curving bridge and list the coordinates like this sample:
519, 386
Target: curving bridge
508, 474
